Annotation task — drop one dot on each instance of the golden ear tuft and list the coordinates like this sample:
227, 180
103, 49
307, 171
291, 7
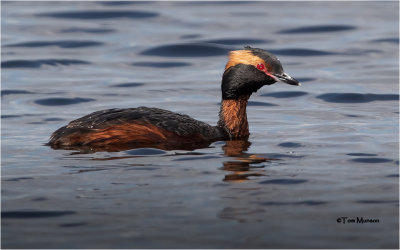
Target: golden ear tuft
242, 57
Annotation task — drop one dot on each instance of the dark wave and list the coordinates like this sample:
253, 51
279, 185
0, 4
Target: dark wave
62, 101
146, 151
40, 62
53, 119
361, 154
282, 156
127, 85
98, 14
119, 3
161, 64
33, 214
290, 145
190, 36
19, 179
238, 41
284, 203
284, 181
61, 44
248, 14
357, 97
306, 79
210, 3
14, 92
350, 115
394, 40
378, 201
40, 199
359, 52
285, 94
82, 30
76, 224
186, 50
266, 104
371, 160
196, 158
301, 52
318, 29
10, 116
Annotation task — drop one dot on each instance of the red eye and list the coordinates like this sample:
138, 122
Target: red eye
260, 66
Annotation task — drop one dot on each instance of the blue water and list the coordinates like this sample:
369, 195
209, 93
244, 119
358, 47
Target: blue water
326, 150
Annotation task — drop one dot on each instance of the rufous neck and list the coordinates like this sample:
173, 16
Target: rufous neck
233, 117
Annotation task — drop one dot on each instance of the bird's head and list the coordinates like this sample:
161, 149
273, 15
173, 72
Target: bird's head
249, 69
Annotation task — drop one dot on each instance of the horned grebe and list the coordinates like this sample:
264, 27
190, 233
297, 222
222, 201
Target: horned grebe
119, 129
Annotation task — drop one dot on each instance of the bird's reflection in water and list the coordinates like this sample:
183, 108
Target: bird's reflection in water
241, 164
244, 164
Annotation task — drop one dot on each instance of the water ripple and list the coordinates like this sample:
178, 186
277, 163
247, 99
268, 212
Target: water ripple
100, 14
394, 40
265, 104
356, 97
196, 158
61, 44
360, 52
87, 30
146, 151
10, 116
305, 79
186, 50
161, 64
38, 63
128, 85
33, 214
318, 29
190, 36
238, 41
19, 179
117, 3
290, 145
282, 156
285, 94
301, 52
371, 160
284, 181
53, 119
284, 203
377, 201
361, 154
76, 224
14, 92
62, 101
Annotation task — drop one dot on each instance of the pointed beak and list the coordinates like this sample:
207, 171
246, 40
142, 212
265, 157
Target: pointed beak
287, 79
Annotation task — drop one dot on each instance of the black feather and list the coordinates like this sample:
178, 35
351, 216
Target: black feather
181, 125
243, 79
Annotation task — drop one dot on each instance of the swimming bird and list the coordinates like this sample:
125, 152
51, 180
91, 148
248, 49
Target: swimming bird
246, 71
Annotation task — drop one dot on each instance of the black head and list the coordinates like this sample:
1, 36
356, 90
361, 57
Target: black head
249, 69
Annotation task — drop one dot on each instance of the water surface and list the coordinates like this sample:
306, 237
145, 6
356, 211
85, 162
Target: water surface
317, 153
